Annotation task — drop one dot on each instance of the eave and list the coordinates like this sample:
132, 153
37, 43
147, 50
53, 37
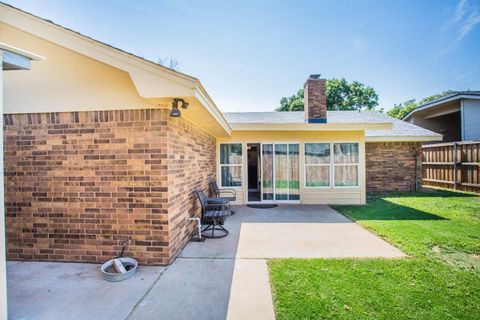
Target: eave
152, 81
14, 58
310, 126
403, 138
435, 104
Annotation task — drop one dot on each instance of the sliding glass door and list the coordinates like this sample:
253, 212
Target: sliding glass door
267, 172
280, 172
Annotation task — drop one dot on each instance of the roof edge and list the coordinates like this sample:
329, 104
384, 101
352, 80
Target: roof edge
107, 54
27, 54
403, 138
310, 126
86, 38
437, 102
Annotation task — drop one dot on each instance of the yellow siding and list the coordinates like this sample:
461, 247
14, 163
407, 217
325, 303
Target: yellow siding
354, 195
64, 81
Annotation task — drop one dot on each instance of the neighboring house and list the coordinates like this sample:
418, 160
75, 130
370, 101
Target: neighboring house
96, 152
455, 116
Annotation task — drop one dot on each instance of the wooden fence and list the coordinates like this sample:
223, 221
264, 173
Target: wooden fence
453, 165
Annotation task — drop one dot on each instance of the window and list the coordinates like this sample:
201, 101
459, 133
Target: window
346, 162
331, 163
231, 164
317, 165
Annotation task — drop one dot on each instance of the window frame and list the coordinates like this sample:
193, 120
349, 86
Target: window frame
331, 165
357, 164
220, 165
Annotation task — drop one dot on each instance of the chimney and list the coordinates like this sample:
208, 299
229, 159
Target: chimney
315, 99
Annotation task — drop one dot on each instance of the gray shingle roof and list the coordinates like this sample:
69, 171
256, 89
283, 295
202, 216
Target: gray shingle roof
400, 128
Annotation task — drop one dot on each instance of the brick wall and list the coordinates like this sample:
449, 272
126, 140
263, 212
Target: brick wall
191, 166
390, 166
78, 184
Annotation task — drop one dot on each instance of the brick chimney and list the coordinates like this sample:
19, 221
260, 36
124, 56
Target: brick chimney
315, 99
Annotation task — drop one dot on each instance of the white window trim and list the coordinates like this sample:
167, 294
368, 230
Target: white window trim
273, 143
329, 165
220, 165
345, 164
332, 165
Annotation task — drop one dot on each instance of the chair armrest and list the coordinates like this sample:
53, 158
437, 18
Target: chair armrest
231, 191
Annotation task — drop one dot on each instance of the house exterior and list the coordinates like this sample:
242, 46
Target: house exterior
96, 152
455, 116
12, 59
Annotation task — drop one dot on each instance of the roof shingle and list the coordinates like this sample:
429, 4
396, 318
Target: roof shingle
400, 128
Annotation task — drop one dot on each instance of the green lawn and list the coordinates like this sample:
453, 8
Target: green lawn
440, 280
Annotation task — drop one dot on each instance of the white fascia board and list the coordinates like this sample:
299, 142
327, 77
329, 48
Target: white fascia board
205, 99
403, 138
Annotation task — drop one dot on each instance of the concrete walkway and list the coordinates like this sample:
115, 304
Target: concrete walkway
232, 272
218, 279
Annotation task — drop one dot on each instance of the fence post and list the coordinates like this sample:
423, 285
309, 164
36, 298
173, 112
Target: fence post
455, 166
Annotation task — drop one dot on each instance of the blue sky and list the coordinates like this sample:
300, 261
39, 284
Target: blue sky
248, 54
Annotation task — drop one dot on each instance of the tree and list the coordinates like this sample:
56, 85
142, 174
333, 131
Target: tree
400, 110
341, 95
171, 63
292, 103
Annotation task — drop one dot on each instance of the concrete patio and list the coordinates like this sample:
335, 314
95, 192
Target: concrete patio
217, 279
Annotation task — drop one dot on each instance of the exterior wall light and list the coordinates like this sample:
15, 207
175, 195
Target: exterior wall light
175, 112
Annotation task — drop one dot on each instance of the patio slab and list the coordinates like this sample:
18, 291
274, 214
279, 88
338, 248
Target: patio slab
49, 290
217, 279
289, 231
190, 289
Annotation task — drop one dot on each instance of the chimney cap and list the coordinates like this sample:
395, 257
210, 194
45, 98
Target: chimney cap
315, 76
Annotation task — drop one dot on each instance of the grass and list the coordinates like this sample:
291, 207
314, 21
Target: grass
440, 280
282, 184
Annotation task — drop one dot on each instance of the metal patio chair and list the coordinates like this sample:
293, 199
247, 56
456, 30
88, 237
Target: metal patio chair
228, 194
215, 214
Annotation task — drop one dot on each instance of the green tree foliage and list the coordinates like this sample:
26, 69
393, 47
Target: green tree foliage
341, 95
400, 110
292, 103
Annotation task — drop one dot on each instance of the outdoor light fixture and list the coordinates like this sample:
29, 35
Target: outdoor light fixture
175, 112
